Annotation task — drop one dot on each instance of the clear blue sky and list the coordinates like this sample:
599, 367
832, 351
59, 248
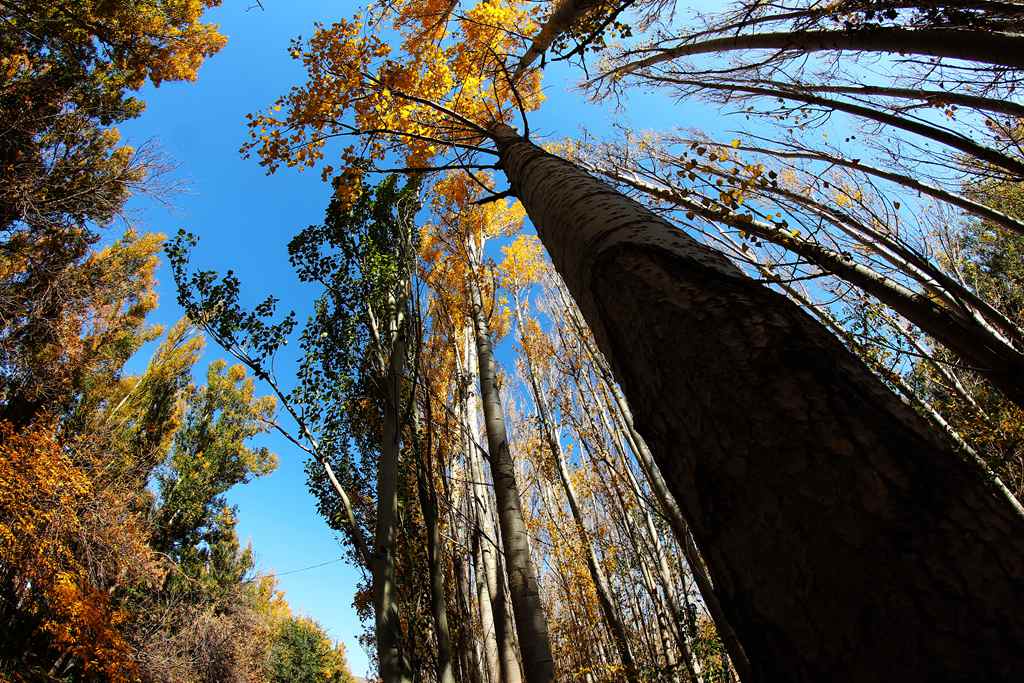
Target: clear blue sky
245, 219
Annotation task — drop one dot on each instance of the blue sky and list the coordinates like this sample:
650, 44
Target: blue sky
245, 219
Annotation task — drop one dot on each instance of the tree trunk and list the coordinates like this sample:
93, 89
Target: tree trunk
531, 624
497, 646
438, 603
623, 420
1001, 49
394, 666
847, 540
604, 594
648, 557
980, 345
563, 15
473, 668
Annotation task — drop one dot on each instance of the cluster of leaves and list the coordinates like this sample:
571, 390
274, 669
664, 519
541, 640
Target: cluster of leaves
362, 257
119, 559
68, 68
301, 652
440, 94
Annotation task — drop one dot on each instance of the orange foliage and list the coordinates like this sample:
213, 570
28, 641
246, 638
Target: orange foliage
48, 512
443, 89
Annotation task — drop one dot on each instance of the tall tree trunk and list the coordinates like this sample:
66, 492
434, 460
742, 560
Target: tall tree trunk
497, 646
394, 666
435, 559
470, 654
623, 421
828, 511
666, 639
979, 345
650, 561
550, 435
531, 624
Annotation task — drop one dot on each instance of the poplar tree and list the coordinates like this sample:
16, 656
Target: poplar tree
827, 511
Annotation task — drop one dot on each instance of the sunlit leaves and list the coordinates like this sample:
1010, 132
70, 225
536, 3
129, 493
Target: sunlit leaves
436, 97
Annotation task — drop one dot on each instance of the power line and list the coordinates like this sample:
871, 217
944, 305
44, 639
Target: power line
304, 569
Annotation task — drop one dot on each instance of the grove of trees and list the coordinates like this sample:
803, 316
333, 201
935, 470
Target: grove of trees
638, 405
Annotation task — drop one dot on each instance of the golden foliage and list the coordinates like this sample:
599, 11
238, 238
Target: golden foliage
443, 89
48, 507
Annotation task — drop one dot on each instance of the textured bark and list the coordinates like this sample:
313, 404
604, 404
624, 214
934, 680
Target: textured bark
469, 646
601, 585
847, 540
498, 650
394, 667
977, 345
623, 422
531, 623
438, 603
685, 541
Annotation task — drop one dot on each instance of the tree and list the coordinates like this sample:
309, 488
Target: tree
692, 295
465, 229
302, 652
209, 456
352, 381
988, 259
520, 269
359, 342
939, 304
915, 103
725, 379
68, 68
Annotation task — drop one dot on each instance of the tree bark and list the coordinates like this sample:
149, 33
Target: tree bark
683, 538
496, 645
531, 624
499, 652
604, 594
438, 603
982, 350
394, 666
561, 19
623, 421
829, 513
